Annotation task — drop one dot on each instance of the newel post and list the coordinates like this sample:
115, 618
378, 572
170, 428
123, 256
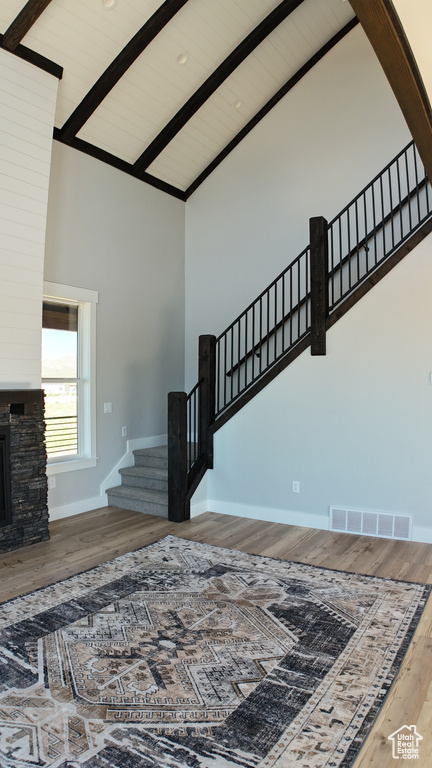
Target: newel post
319, 288
207, 379
177, 455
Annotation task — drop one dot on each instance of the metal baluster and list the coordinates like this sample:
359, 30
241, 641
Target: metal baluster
283, 312
232, 362
340, 259
225, 369
391, 206
349, 247
357, 239
417, 184
291, 305
374, 225
365, 224
253, 342
400, 199
383, 216
260, 335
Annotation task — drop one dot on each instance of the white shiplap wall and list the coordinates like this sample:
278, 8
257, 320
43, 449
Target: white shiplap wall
27, 108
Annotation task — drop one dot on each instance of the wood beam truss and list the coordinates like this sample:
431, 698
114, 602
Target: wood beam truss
386, 34
118, 67
235, 58
23, 23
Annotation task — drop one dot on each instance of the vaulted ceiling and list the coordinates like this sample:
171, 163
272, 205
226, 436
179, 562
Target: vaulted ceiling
165, 90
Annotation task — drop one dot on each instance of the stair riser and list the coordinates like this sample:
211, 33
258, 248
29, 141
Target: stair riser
144, 482
151, 461
147, 507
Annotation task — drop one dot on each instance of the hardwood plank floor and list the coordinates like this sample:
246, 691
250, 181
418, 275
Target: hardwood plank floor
81, 542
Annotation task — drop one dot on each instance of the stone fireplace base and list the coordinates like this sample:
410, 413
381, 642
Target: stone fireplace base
25, 517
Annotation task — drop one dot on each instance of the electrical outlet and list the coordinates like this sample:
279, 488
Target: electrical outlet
107, 407
296, 486
52, 482
124, 431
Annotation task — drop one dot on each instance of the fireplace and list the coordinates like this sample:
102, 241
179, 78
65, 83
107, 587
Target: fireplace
5, 498
23, 481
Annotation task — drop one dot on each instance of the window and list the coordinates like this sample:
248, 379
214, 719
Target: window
68, 376
60, 377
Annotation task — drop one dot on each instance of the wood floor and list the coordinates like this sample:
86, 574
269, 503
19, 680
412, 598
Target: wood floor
81, 542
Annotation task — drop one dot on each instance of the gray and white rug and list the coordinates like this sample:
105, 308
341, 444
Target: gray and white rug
185, 655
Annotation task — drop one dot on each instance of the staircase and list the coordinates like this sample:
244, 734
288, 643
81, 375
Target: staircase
144, 486
343, 261
345, 258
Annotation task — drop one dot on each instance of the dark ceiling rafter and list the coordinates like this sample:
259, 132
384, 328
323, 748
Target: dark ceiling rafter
386, 34
36, 59
23, 23
121, 165
270, 104
236, 57
118, 67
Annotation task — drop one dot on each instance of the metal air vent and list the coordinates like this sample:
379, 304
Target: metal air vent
365, 523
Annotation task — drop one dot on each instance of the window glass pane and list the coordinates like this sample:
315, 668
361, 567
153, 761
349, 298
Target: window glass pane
60, 361
63, 317
61, 418
59, 354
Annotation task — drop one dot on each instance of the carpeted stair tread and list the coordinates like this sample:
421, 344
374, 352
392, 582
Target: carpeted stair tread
139, 499
155, 478
152, 457
145, 471
139, 493
144, 486
157, 450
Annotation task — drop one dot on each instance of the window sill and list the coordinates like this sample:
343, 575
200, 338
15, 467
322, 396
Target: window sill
70, 465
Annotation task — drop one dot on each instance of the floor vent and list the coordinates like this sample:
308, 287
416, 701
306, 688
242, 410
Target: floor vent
379, 524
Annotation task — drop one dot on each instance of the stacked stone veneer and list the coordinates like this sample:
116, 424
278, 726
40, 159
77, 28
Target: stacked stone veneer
23, 411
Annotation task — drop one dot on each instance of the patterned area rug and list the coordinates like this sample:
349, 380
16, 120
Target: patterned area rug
184, 655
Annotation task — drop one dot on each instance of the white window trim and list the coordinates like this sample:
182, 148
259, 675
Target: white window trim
87, 299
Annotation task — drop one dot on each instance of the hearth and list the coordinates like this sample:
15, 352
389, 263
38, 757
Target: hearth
23, 480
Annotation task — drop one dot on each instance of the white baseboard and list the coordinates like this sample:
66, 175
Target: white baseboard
198, 508
269, 514
77, 507
421, 534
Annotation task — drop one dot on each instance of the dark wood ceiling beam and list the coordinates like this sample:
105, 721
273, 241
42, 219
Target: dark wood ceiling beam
23, 23
387, 36
121, 165
36, 59
270, 104
119, 66
213, 82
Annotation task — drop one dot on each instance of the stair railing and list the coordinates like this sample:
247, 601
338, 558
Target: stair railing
292, 313
377, 222
190, 441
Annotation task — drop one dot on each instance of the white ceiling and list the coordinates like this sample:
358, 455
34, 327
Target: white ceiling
84, 38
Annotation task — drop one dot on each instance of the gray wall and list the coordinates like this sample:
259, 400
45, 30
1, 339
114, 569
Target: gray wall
353, 427
113, 234
322, 143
